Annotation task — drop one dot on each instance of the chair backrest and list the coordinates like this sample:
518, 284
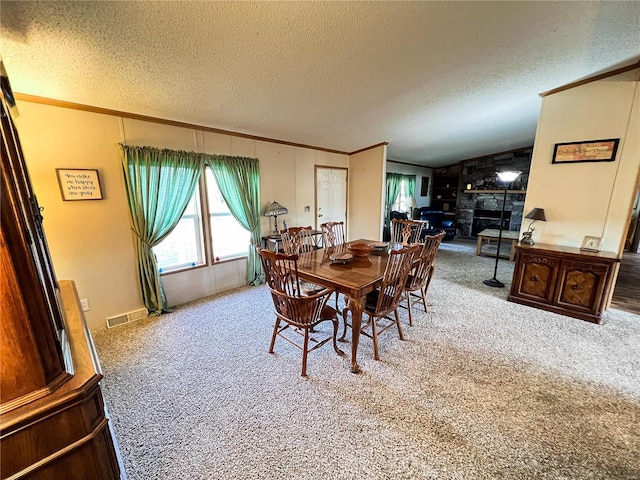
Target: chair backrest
406, 232
290, 302
300, 311
398, 215
297, 240
421, 272
395, 278
281, 271
332, 234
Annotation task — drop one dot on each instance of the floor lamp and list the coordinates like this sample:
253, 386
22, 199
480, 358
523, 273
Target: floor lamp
506, 178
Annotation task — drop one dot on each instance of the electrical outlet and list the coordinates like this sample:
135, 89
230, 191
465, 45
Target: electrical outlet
85, 304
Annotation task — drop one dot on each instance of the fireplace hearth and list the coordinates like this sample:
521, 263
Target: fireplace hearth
489, 219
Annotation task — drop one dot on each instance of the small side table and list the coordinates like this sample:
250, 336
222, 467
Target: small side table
507, 236
272, 242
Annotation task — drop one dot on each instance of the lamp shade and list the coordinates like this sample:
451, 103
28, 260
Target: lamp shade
537, 214
410, 202
275, 209
508, 176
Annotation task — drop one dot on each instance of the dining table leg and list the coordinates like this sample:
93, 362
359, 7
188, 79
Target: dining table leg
355, 305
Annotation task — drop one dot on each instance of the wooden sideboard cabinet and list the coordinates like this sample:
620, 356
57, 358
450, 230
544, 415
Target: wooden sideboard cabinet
53, 421
564, 280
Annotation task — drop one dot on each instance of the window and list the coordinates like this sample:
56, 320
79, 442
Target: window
400, 203
229, 239
183, 247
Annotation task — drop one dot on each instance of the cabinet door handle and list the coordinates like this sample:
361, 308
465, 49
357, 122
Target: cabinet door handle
577, 286
535, 278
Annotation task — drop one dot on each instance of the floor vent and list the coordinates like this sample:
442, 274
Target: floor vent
127, 317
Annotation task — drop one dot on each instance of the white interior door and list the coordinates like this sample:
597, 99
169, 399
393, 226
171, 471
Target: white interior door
331, 195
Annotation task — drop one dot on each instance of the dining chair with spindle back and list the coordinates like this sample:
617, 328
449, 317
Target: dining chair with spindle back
421, 274
297, 313
406, 232
332, 234
380, 303
297, 240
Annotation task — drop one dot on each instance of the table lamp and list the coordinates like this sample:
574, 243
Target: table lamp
274, 210
535, 215
410, 203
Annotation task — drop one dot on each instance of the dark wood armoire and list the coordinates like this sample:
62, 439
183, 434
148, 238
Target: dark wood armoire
53, 421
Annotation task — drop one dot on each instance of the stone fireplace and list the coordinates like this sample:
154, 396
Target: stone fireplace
481, 197
489, 219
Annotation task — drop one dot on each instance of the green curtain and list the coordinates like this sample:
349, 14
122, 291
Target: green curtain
239, 181
394, 182
410, 184
159, 185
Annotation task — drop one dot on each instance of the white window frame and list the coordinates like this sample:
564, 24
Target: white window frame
203, 235
399, 204
215, 258
196, 218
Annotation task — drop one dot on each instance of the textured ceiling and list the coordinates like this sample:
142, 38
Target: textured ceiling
439, 81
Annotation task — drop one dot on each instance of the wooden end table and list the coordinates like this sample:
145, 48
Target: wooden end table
492, 233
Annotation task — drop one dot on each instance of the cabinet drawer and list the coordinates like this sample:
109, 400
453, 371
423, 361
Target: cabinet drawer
581, 285
536, 277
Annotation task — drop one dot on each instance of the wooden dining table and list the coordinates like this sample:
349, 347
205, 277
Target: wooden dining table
355, 279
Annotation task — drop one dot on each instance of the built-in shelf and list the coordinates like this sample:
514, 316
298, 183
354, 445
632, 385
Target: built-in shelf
494, 191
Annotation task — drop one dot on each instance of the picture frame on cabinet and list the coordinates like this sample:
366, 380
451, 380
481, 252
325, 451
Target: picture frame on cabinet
588, 151
591, 244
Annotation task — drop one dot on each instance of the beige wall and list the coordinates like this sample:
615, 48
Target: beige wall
367, 173
91, 242
586, 198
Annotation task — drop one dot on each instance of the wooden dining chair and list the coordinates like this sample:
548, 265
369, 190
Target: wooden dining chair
421, 274
296, 312
333, 237
297, 240
380, 303
332, 234
406, 232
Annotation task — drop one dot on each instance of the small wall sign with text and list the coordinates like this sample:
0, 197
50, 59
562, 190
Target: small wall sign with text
79, 184
590, 151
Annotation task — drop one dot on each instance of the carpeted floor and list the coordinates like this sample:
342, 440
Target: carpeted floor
480, 389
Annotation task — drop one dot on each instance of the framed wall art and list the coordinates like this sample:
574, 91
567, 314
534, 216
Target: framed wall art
424, 187
79, 184
591, 244
589, 151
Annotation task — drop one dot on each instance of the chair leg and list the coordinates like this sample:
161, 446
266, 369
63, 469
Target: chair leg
335, 338
275, 332
344, 322
395, 312
374, 336
305, 350
409, 308
423, 292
